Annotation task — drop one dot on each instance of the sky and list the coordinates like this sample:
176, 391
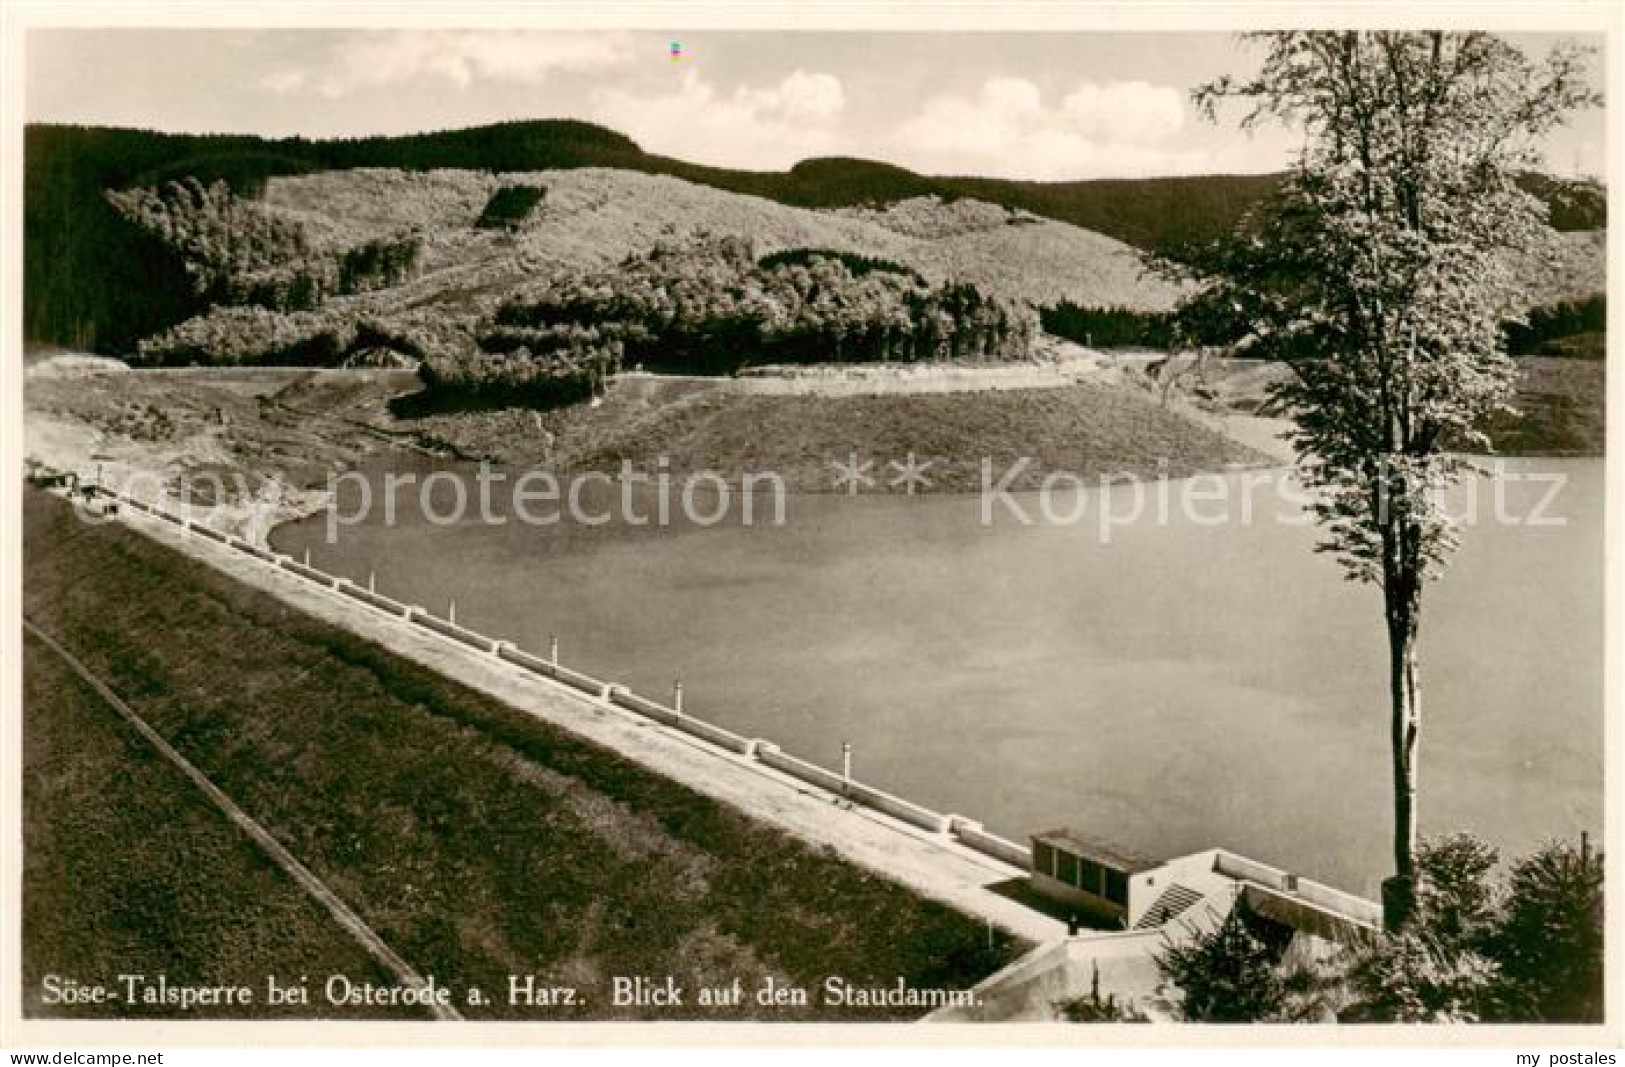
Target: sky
1046, 106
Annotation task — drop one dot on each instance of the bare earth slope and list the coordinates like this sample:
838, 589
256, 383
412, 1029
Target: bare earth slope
596, 217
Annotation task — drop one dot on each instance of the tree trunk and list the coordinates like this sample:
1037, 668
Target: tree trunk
1399, 892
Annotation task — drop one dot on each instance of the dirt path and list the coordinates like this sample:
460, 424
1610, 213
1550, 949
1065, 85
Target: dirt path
931, 865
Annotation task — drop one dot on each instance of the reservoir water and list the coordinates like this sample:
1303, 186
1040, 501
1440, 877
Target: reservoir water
1183, 684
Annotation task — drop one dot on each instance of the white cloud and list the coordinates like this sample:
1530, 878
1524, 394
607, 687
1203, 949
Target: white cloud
375, 60
283, 81
1016, 98
757, 128
1007, 130
1134, 111
801, 96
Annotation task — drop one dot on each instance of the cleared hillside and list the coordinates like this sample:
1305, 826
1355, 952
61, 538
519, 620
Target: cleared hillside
594, 217
591, 220
451, 274
95, 282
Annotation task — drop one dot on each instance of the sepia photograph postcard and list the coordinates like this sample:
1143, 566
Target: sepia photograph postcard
925, 525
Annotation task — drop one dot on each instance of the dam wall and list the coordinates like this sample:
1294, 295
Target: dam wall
966, 832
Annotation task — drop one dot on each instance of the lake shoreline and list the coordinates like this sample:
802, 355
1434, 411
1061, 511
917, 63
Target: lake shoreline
276, 439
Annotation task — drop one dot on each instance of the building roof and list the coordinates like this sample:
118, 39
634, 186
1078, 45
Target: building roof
1089, 847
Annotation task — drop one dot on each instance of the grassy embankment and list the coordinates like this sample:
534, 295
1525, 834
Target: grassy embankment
1562, 409
475, 840
1091, 429
128, 869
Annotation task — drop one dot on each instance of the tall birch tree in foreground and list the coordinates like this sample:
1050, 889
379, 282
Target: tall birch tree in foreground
1381, 274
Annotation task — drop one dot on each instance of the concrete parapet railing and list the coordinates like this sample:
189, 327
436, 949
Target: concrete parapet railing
153, 508
1228, 863
896, 807
629, 700
1335, 900
622, 697
377, 600
310, 573
208, 531
452, 630
772, 756
250, 548
870, 797
1323, 896
521, 658
576, 680
716, 735
971, 834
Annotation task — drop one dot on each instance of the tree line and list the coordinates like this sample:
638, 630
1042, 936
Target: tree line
510, 206
710, 306
233, 250
1545, 329
250, 335
1548, 330
237, 251
1109, 327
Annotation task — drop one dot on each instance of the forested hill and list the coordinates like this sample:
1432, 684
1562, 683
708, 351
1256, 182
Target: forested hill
94, 281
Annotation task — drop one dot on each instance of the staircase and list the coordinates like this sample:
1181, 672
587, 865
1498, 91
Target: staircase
1173, 902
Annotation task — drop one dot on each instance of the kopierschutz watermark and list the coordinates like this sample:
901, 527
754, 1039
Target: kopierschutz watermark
1484, 494
1019, 492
